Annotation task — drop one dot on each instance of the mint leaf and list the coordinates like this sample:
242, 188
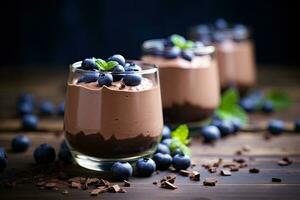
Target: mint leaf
181, 133
101, 64
110, 65
178, 40
229, 108
279, 99
176, 143
188, 44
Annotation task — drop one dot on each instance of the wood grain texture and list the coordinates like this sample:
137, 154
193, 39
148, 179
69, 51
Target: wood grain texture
263, 154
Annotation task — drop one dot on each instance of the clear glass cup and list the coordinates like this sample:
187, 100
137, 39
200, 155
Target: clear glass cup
234, 53
190, 89
117, 123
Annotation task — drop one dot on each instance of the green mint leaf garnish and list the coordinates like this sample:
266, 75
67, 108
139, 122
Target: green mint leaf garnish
101, 64
178, 40
180, 139
229, 108
279, 99
111, 64
189, 44
181, 133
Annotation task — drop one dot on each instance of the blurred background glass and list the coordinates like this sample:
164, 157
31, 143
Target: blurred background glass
58, 32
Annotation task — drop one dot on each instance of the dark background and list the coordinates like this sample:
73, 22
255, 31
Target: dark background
58, 32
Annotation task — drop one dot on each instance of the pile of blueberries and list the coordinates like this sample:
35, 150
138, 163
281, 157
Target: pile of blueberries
255, 101
43, 154
163, 159
125, 71
221, 128
26, 107
169, 50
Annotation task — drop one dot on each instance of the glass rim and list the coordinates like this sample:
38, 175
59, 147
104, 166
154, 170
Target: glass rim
152, 68
200, 50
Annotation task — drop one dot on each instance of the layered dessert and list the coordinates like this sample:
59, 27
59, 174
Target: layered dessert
234, 52
188, 78
115, 112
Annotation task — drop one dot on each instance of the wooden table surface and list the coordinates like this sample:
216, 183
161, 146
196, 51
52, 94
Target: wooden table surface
263, 154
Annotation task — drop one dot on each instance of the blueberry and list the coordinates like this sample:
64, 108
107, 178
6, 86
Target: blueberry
61, 109
105, 79
119, 69
132, 79
162, 148
166, 132
221, 24
145, 167
187, 55
219, 36
26, 98
88, 78
168, 42
89, 64
118, 58
226, 128
171, 52
237, 125
181, 162
29, 122
166, 141
267, 107
240, 32
215, 121
276, 126
25, 108
154, 52
162, 161
121, 170
177, 151
20, 143
297, 125
44, 154
46, 108
64, 153
132, 67
3, 159
248, 105
210, 133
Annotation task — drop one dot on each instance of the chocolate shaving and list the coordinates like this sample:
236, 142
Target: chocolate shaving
212, 169
239, 160
126, 183
184, 173
195, 176
234, 168
114, 188
75, 185
95, 192
40, 183
277, 180
50, 185
168, 185
65, 192
170, 178
210, 182
254, 170
225, 172
243, 165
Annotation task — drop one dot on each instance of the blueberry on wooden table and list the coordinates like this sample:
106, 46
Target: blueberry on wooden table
166, 132
121, 170
162, 161
61, 109
46, 108
20, 143
162, 148
3, 159
181, 162
210, 133
29, 122
297, 125
145, 167
44, 154
226, 128
276, 126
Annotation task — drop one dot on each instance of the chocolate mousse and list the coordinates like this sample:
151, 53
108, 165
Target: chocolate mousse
115, 120
190, 88
234, 53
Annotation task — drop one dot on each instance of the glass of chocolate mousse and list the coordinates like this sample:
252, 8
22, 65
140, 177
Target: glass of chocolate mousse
113, 111
234, 53
188, 76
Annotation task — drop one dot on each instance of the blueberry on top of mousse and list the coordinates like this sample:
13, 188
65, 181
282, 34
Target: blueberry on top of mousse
89, 64
117, 71
132, 67
268, 107
89, 78
221, 23
132, 79
118, 58
105, 79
